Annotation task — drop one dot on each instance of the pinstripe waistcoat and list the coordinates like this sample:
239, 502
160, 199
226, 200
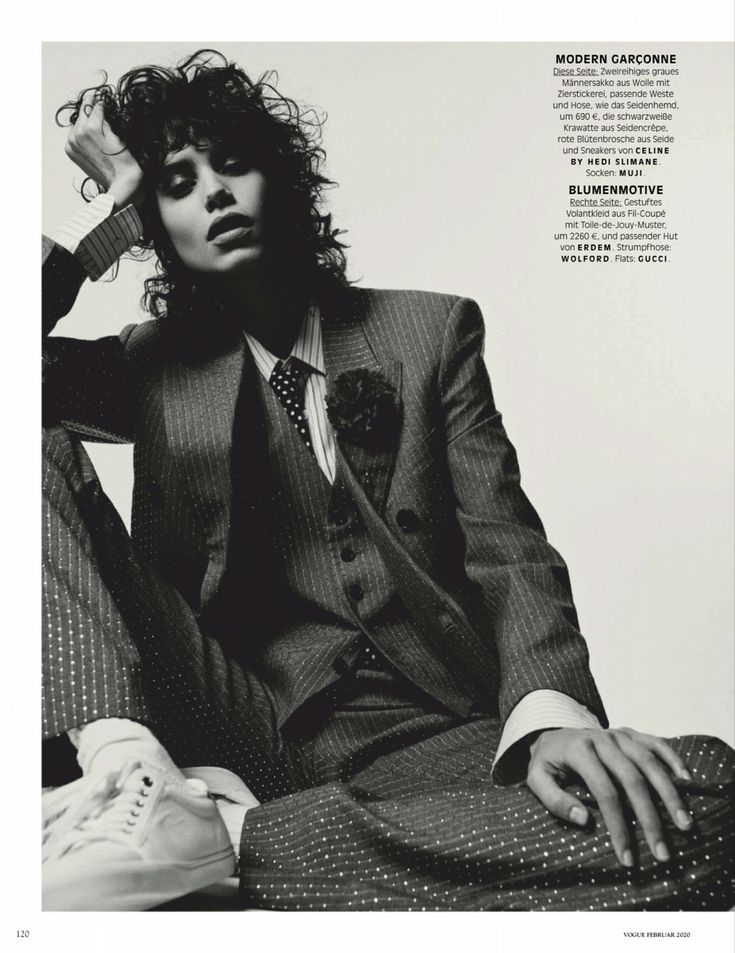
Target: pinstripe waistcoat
460, 589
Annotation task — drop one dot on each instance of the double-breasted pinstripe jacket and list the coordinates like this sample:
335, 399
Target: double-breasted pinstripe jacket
491, 597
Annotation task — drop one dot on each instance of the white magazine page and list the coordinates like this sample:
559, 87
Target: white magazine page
573, 176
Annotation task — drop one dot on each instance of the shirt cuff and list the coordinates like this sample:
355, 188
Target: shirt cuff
537, 711
96, 237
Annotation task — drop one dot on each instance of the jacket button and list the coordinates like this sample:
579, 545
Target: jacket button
407, 520
449, 626
347, 554
356, 592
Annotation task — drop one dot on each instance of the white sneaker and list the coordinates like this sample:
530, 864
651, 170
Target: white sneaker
131, 840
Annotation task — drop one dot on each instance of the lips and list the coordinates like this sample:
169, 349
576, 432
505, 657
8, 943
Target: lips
228, 223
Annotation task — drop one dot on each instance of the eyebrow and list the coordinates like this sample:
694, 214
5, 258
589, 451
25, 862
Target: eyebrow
168, 168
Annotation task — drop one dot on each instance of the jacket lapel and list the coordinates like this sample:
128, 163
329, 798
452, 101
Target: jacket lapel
347, 347
199, 409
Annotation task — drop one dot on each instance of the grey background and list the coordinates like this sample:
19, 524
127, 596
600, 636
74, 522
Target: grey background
615, 384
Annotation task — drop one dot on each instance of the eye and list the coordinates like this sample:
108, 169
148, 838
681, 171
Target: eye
177, 187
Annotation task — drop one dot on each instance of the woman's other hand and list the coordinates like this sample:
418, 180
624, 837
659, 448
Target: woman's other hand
617, 766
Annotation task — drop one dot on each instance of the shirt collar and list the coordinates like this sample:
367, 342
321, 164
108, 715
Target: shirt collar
307, 346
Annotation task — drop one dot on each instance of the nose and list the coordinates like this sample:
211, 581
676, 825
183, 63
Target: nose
216, 193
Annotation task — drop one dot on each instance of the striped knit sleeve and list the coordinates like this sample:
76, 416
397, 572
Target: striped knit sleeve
537, 711
97, 237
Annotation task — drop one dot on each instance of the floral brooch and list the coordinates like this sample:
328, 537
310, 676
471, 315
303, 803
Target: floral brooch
362, 408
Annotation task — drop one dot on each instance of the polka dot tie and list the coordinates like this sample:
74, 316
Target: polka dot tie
288, 380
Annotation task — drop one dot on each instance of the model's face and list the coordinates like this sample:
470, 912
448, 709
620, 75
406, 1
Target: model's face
212, 204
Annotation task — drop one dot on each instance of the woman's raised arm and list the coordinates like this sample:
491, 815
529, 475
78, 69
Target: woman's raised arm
88, 385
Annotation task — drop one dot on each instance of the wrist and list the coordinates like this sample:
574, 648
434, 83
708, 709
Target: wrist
127, 190
534, 738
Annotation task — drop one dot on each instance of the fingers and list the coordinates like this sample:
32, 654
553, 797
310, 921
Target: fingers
554, 798
91, 114
81, 123
655, 773
635, 785
586, 763
87, 105
90, 120
661, 749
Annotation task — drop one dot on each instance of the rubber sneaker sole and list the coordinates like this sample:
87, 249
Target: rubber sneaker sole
130, 883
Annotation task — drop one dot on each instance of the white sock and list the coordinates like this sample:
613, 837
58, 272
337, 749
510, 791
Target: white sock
106, 744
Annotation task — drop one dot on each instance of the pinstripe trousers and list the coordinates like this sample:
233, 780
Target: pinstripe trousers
375, 797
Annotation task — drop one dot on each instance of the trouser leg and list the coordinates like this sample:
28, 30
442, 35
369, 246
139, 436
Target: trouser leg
118, 641
424, 828
91, 666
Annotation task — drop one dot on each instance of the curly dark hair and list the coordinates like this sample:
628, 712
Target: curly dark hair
207, 99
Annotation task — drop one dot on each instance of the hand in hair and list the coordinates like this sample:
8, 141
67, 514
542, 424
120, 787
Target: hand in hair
95, 148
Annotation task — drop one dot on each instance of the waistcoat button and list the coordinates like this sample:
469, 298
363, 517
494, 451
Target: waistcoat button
356, 592
339, 517
407, 520
347, 554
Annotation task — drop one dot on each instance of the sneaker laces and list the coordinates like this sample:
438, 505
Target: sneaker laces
108, 810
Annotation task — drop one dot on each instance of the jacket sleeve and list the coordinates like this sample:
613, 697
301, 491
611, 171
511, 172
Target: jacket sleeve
87, 385
522, 582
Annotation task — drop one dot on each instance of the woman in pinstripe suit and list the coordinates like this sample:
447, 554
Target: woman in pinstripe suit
314, 634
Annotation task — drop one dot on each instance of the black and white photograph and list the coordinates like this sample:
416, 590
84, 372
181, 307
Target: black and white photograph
387, 478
